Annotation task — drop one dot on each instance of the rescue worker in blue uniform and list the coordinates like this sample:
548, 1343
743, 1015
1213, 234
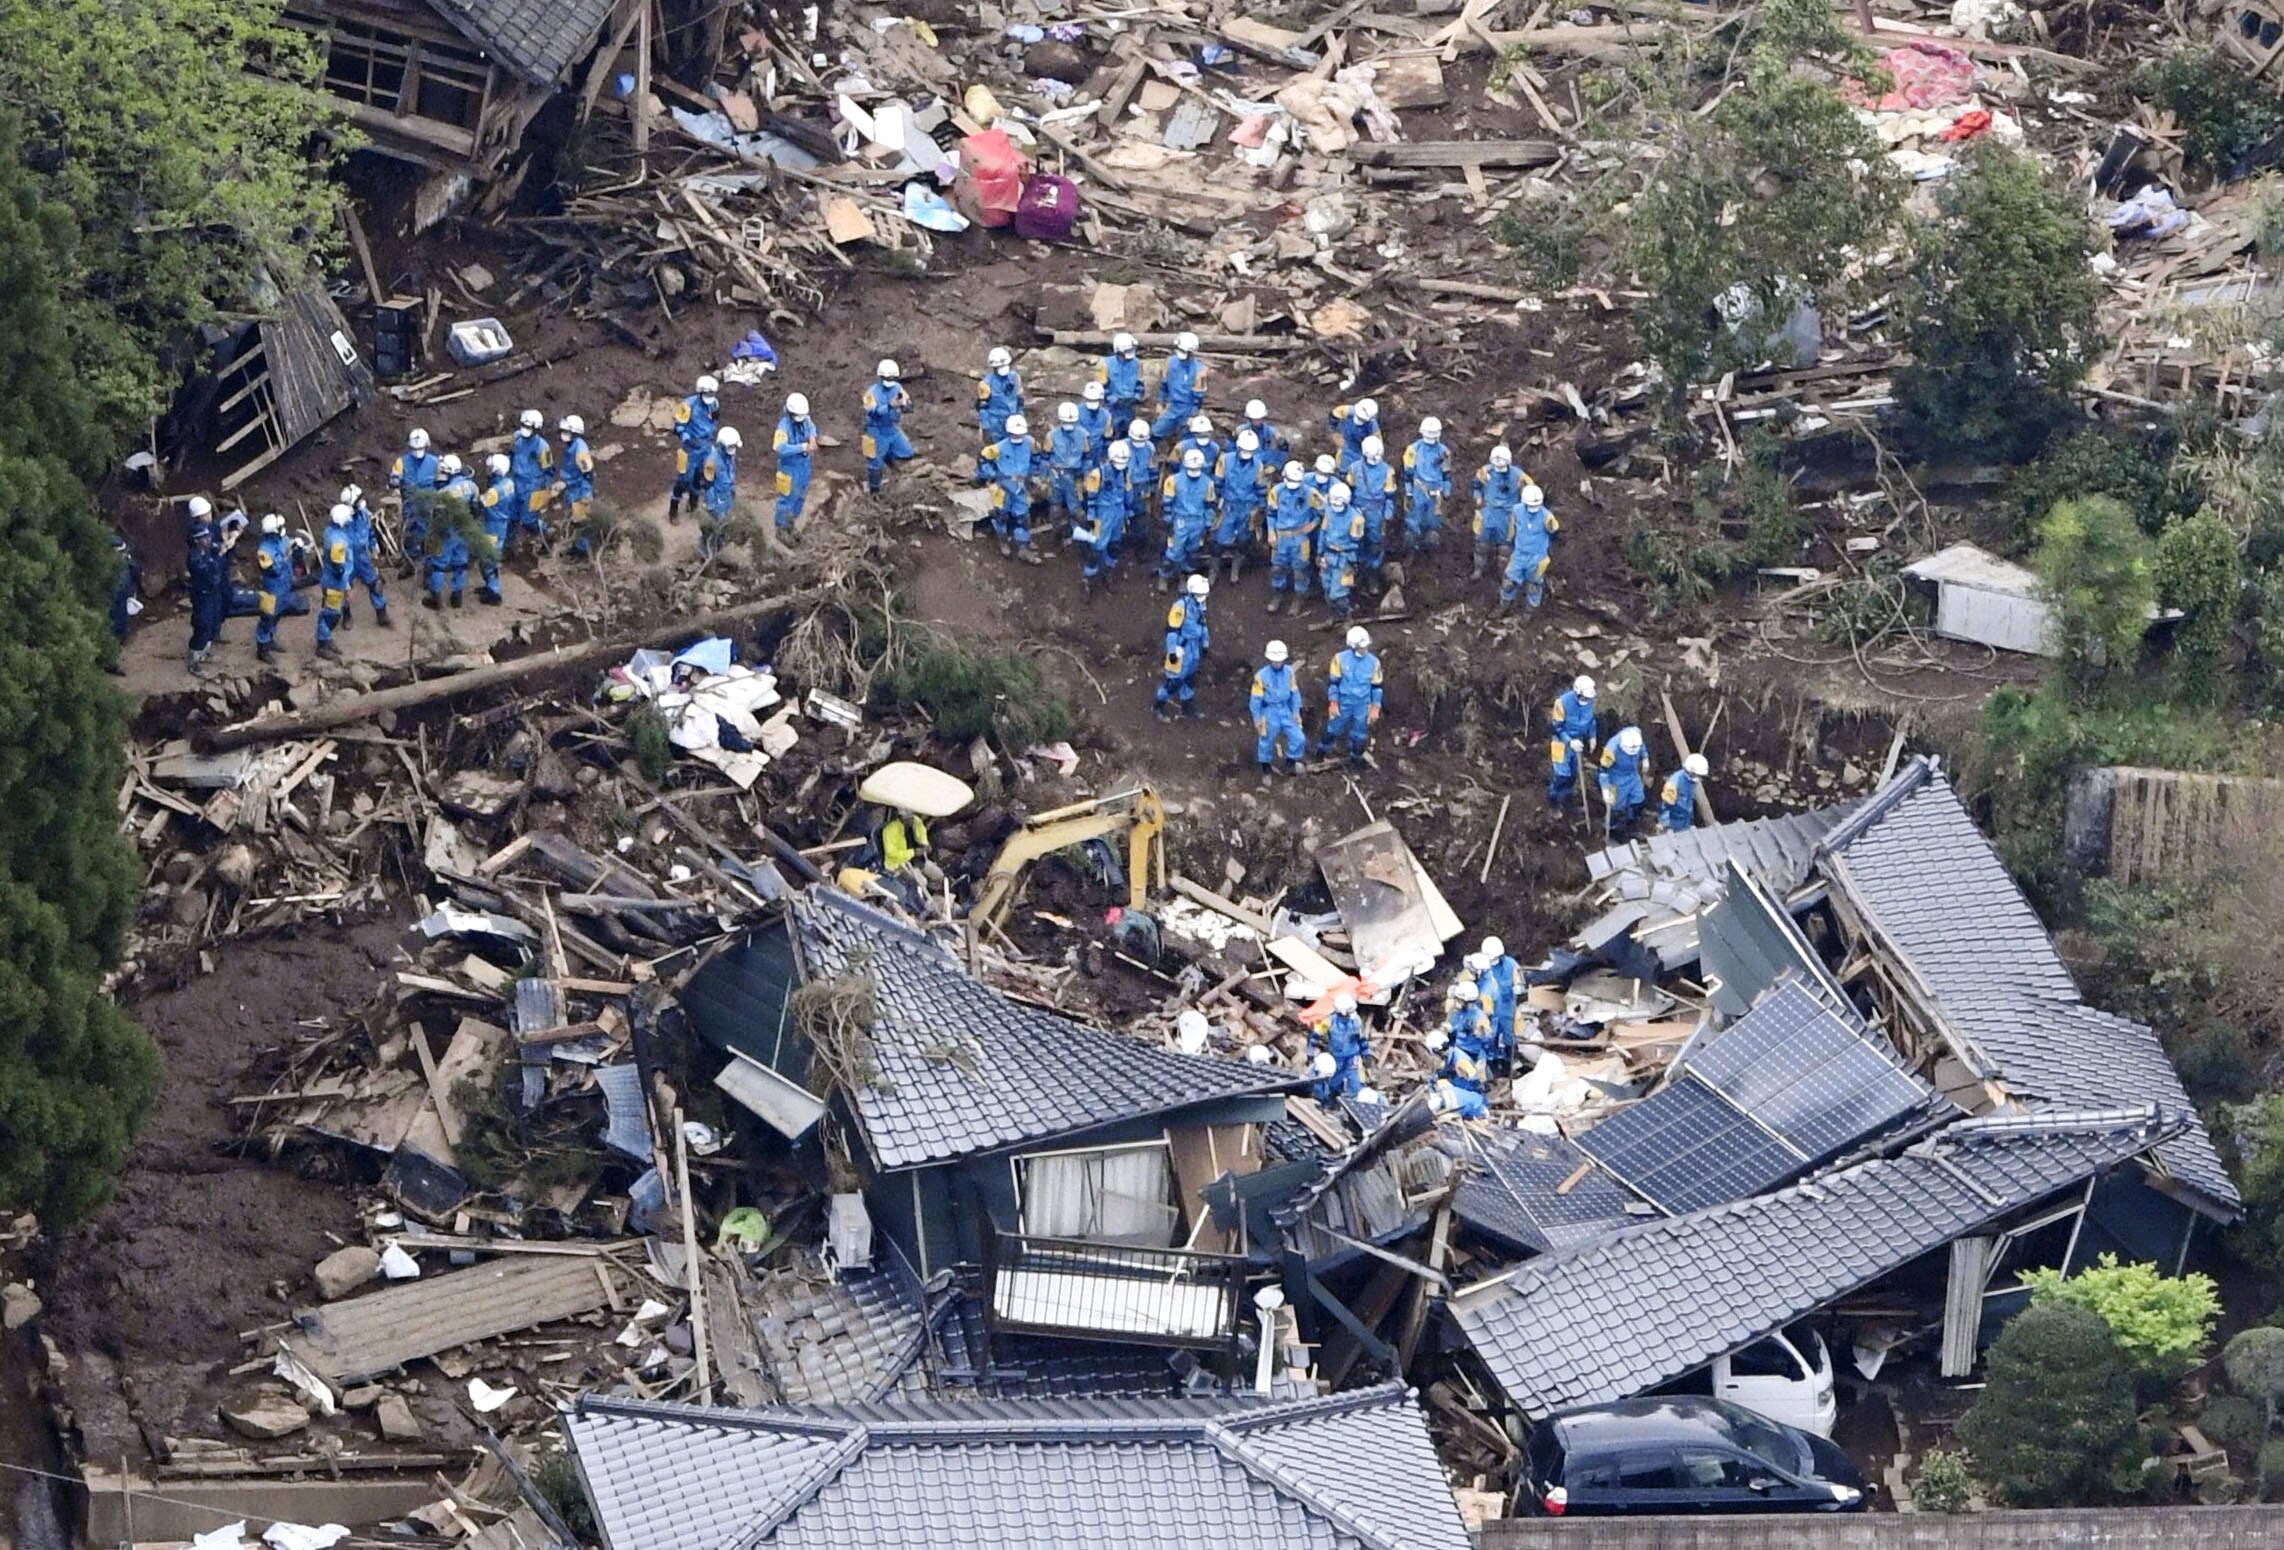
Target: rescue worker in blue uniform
1188, 638
1292, 523
273, 562
884, 439
794, 443
1499, 979
1273, 444
1102, 519
1067, 461
1372, 488
1352, 698
415, 475
998, 396
1467, 1017
1189, 499
1244, 473
1094, 418
1573, 737
1533, 554
1141, 478
448, 555
1121, 377
1275, 703
1454, 1096
1625, 769
1339, 543
1427, 484
497, 507
1323, 475
363, 571
532, 460
1498, 491
1352, 423
336, 563
575, 479
696, 419
718, 486
1181, 391
1463, 1084
1006, 466
208, 564
1677, 800
1197, 436
1340, 1047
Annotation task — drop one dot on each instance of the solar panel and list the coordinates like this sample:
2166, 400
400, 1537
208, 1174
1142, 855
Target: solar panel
1687, 1147
1806, 1072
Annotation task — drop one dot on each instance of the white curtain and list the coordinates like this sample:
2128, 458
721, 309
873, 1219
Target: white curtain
1123, 1195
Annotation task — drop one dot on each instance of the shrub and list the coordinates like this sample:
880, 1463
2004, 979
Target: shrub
2092, 461
1943, 1483
970, 693
653, 746
2269, 1465
2160, 1322
2198, 573
2098, 574
2234, 1421
2223, 113
2055, 1425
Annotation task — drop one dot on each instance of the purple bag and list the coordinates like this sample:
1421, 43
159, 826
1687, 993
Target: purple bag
1048, 209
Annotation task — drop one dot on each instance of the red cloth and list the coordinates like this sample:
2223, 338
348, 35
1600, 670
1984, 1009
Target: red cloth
991, 168
1924, 75
1969, 124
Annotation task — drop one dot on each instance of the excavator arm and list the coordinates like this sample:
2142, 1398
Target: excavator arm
1140, 814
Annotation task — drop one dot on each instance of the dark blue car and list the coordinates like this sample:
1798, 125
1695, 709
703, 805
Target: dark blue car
1682, 1454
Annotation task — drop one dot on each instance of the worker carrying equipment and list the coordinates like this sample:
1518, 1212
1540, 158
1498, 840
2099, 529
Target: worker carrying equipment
1573, 739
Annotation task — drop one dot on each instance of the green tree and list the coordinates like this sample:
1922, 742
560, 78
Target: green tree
2099, 577
186, 171
1999, 310
75, 1075
2198, 572
2254, 1362
2160, 1322
2054, 1426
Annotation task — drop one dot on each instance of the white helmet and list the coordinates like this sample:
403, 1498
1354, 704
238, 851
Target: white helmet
1695, 764
1493, 949
1198, 586
1344, 1002
350, 495
1256, 410
273, 524
1121, 453
340, 516
418, 440
728, 436
1185, 343
532, 420
1337, 495
1017, 425
1258, 1055
708, 387
797, 405
1475, 963
1366, 409
1582, 686
1370, 1095
1437, 1038
890, 371
1200, 426
1123, 344
1324, 1064
1431, 429
1533, 495
1275, 651
572, 425
1191, 1030
1325, 464
1193, 461
1359, 638
1500, 456
1066, 414
1139, 430
497, 464
200, 508
1464, 989
1373, 448
1091, 393
1248, 442
1630, 740
999, 359
1294, 472
450, 465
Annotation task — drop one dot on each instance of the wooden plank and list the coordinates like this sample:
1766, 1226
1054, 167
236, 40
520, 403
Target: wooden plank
1681, 741
364, 251
1319, 974
1521, 154
1198, 893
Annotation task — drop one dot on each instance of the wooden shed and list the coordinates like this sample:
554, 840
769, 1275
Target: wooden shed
278, 378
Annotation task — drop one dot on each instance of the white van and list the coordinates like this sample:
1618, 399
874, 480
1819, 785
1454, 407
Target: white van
1786, 1376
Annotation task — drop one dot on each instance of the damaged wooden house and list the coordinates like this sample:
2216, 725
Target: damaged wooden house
270, 382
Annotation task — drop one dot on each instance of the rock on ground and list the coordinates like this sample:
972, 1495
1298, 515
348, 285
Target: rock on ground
344, 1270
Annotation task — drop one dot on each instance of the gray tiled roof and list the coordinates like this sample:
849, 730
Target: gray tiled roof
1775, 850
1350, 1472
1515, 1191
540, 39
964, 1069
1915, 866
1650, 1303
825, 1339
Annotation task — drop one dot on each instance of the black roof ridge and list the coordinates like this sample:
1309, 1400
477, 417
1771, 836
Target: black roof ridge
802, 1491
1923, 769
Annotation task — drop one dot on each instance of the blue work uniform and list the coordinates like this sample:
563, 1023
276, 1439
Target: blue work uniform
1623, 791
884, 439
1141, 485
998, 394
1292, 521
1573, 736
1189, 505
497, 507
415, 477
1187, 639
1342, 1037
1352, 702
1352, 432
208, 567
1498, 491
1204, 446
1677, 803
449, 559
1273, 443
1100, 431
575, 479
273, 563
1470, 1101
791, 442
1319, 485
363, 572
1101, 521
1338, 549
1499, 983
531, 460
1006, 464
1533, 554
695, 422
1372, 491
1121, 379
1276, 707
1427, 483
336, 565
718, 487
1067, 458
1242, 476
1469, 1025
1181, 394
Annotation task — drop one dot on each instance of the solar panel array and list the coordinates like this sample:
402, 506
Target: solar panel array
1687, 1147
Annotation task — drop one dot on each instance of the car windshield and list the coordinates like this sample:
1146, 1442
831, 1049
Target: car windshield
1765, 1440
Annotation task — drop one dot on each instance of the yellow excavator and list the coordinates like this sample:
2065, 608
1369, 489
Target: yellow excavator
1137, 813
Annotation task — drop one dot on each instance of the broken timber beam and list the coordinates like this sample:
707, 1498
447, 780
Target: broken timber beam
1457, 153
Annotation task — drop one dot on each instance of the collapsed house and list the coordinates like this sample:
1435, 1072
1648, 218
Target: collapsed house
270, 381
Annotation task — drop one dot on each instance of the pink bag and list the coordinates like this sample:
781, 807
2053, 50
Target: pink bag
993, 168
1048, 209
